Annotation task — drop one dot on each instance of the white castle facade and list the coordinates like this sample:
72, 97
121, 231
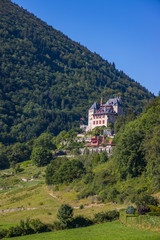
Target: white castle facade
101, 115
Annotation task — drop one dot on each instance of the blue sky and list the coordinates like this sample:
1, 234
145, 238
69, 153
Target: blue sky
126, 32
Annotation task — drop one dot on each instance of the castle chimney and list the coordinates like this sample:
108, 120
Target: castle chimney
101, 101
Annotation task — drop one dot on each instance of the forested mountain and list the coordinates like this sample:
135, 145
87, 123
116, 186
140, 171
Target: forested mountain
47, 81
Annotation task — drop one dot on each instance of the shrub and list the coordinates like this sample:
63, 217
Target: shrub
3, 233
65, 214
146, 199
142, 210
58, 225
106, 216
25, 228
80, 221
38, 226
81, 206
154, 208
130, 210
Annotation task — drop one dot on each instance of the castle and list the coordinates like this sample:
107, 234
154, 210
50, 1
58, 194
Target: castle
101, 115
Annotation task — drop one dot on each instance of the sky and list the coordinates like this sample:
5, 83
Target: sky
126, 32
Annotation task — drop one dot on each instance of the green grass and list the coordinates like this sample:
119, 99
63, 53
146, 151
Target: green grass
105, 231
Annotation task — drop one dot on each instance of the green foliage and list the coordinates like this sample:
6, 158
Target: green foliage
112, 230
45, 141
122, 120
3, 233
17, 168
106, 216
80, 221
25, 228
152, 155
103, 157
48, 81
41, 156
4, 163
18, 152
137, 145
65, 172
58, 225
112, 194
154, 209
52, 168
97, 131
146, 199
130, 210
65, 214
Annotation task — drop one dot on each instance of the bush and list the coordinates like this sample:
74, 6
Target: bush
38, 226
65, 214
3, 233
154, 208
142, 210
146, 199
130, 210
25, 228
106, 216
80, 221
58, 225
81, 206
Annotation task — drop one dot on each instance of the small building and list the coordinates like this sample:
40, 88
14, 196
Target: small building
96, 141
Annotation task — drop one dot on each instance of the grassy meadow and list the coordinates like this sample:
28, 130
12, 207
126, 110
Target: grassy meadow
105, 231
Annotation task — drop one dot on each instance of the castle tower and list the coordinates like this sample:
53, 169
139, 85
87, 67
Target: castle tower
101, 101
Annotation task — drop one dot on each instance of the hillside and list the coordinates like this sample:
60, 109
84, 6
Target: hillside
48, 81
137, 151
92, 182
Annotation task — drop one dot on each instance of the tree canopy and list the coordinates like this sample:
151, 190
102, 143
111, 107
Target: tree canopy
138, 144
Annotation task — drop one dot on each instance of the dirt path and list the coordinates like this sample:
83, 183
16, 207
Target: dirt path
17, 209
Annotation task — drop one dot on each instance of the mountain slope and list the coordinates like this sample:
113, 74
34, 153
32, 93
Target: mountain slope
137, 150
47, 81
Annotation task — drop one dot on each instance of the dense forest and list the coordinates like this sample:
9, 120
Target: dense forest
47, 81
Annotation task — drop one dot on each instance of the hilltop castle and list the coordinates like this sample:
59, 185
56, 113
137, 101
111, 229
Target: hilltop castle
101, 115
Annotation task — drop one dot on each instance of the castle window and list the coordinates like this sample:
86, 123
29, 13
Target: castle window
96, 122
99, 122
93, 122
103, 121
